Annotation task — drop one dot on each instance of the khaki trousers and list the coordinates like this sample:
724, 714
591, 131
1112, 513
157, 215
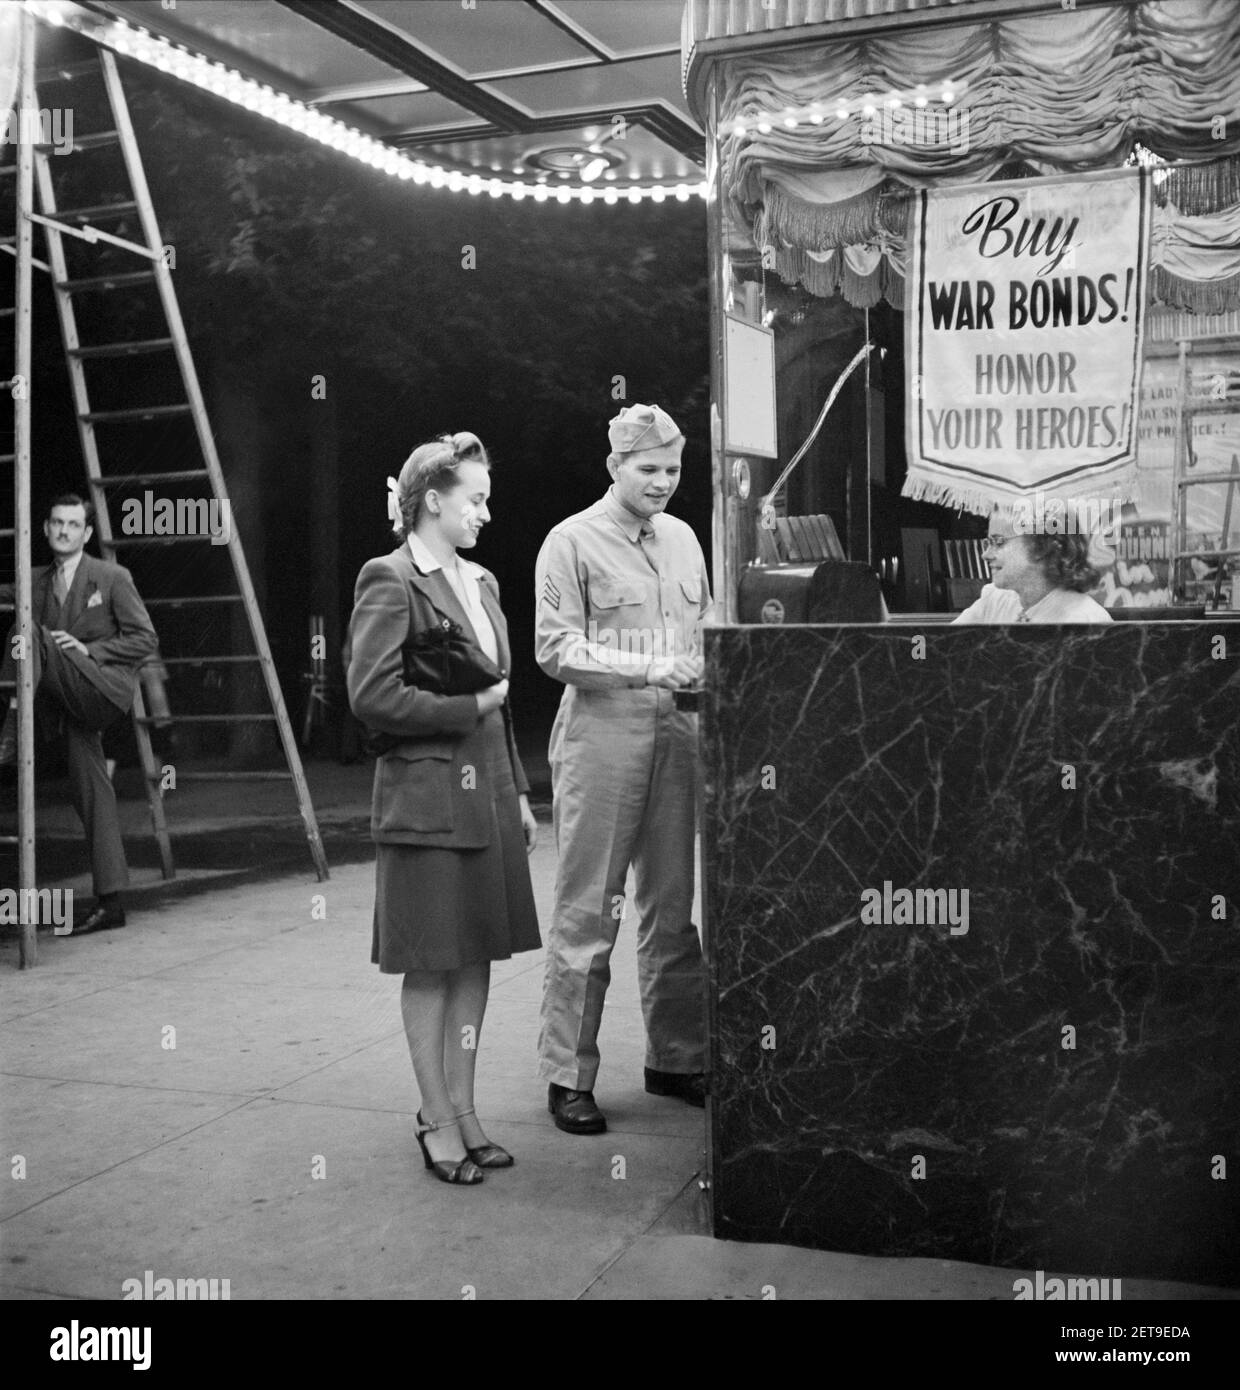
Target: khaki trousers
623, 771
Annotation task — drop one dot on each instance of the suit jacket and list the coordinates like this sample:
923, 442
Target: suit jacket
422, 795
103, 611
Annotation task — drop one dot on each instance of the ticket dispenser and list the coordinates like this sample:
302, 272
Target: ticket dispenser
801, 576
831, 591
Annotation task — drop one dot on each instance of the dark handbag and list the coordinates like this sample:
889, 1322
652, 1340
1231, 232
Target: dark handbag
444, 661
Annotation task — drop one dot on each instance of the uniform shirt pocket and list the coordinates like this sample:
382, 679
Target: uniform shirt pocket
413, 791
692, 590
611, 593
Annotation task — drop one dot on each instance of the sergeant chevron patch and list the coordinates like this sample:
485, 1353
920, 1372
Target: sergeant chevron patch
550, 593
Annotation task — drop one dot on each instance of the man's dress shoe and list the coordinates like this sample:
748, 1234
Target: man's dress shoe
99, 918
687, 1086
575, 1111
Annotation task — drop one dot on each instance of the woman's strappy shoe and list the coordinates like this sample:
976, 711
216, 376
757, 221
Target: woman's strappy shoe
463, 1172
487, 1155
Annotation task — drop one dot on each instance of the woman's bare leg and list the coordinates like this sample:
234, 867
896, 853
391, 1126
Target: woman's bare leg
422, 1005
465, 1005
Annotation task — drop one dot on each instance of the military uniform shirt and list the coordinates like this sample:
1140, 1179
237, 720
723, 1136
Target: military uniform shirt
616, 593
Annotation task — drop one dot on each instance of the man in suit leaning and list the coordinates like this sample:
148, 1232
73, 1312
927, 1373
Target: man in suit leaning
91, 633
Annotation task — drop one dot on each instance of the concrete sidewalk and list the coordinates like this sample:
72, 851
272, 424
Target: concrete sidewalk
222, 1091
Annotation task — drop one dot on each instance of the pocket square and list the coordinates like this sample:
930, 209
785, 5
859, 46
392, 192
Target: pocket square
94, 600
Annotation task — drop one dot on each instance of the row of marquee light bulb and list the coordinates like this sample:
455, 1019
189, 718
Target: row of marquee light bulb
868, 105
132, 42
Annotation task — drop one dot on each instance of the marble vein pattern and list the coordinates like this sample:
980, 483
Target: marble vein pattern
1053, 1087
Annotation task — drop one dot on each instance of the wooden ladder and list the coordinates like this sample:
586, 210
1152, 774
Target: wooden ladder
87, 222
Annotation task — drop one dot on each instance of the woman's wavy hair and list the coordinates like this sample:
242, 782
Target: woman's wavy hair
434, 465
1064, 560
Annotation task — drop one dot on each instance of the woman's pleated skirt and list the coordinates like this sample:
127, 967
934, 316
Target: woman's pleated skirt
439, 909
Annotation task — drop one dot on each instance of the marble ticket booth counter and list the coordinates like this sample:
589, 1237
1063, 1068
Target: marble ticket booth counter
1038, 1066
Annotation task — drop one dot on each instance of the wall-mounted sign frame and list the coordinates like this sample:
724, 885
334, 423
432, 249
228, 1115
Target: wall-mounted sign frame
749, 389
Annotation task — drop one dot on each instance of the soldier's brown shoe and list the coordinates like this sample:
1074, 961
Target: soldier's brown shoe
575, 1111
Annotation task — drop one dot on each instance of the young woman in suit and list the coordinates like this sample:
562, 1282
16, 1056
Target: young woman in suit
451, 816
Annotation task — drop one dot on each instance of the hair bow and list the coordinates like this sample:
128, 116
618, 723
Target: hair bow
393, 505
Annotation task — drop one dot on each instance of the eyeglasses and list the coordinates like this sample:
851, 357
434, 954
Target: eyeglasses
995, 543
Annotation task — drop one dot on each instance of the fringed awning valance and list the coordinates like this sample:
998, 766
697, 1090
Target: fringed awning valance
1194, 240
1066, 93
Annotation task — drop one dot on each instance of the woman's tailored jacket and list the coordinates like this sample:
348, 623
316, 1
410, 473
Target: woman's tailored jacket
434, 788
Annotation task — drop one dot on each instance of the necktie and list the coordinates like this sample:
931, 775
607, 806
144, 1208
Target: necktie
59, 588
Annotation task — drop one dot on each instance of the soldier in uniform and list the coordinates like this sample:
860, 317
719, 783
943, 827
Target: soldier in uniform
621, 592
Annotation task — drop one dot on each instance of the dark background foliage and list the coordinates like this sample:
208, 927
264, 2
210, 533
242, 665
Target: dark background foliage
295, 263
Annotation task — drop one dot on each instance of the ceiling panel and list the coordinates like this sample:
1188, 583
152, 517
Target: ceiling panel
496, 36
279, 39
634, 26
414, 111
613, 84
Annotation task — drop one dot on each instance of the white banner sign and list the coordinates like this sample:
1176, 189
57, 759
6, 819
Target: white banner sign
1024, 339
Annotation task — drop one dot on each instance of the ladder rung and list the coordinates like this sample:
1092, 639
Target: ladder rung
1205, 555
107, 282
141, 412
94, 214
114, 480
66, 72
122, 349
7, 312
1209, 478
195, 600
7, 458
96, 140
1231, 405
206, 660
206, 719
227, 777
204, 539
